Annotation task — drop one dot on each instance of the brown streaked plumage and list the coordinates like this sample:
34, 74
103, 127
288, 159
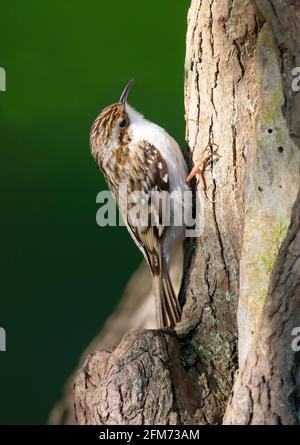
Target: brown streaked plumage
133, 164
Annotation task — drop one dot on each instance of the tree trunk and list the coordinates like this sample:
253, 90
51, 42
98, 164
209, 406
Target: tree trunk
233, 349
267, 390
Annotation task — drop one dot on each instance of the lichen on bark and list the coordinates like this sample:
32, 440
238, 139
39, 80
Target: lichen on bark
271, 187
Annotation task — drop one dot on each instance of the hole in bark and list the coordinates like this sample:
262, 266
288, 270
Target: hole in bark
270, 130
260, 188
280, 149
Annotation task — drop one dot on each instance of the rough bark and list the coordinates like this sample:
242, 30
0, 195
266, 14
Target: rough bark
283, 17
267, 390
135, 311
142, 381
238, 315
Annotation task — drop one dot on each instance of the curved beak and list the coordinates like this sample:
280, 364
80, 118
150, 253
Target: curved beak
124, 95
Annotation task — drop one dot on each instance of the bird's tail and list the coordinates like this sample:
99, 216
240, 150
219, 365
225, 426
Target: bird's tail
167, 308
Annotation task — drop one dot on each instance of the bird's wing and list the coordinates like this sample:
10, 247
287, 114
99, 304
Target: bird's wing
148, 205
151, 206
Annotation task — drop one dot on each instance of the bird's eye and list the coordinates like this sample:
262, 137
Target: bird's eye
123, 123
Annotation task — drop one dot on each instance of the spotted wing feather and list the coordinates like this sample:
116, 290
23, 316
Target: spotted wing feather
150, 236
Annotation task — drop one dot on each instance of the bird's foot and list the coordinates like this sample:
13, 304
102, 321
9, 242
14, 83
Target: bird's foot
199, 169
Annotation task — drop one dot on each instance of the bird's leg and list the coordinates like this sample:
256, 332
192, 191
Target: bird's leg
199, 168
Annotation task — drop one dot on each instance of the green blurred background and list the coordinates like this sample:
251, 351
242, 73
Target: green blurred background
61, 275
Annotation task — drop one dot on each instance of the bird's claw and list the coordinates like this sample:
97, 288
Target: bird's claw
199, 169
202, 162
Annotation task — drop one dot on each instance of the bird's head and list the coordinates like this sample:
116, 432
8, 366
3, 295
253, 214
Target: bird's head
111, 128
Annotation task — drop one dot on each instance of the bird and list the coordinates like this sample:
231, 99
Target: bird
139, 157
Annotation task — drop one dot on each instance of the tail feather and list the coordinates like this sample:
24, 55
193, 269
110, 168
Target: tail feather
167, 307
159, 311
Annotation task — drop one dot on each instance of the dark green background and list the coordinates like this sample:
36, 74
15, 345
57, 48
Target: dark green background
61, 275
